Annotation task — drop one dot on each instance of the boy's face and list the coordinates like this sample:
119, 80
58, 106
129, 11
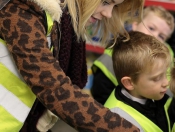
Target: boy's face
152, 84
155, 26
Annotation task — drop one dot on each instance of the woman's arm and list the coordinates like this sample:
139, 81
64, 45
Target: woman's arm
24, 34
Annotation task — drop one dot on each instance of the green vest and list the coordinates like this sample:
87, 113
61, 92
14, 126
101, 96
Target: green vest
16, 98
104, 63
132, 115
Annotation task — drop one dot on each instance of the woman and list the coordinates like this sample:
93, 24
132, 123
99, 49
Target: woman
51, 59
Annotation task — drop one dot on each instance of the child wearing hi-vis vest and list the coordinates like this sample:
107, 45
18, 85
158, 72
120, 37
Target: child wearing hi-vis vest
158, 22
140, 67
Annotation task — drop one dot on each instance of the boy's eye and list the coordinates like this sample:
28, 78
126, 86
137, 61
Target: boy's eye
105, 3
151, 28
156, 79
162, 38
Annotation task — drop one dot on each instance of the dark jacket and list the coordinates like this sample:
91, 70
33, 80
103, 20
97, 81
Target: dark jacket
102, 87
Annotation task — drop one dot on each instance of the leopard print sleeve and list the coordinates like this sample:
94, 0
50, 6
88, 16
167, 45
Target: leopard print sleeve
24, 32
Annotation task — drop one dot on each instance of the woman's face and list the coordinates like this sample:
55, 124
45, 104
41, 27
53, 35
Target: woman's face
103, 10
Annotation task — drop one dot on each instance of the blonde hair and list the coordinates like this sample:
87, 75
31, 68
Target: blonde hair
132, 57
162, 13
81, 10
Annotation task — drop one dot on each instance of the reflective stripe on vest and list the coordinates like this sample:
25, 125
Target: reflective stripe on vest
166, 106
133, 115
173, 130
104, 63
16, 98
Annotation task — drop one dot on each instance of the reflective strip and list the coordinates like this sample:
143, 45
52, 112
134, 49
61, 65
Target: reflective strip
14, 106
146, 124
104, 62
6, 59
17, 87
166, 106
173, 130
49, 41
2, 41
49, 22
8, 123
16, 98
125, 115
108, 52
10, 72
49, 28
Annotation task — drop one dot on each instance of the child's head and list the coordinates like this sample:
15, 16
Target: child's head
157, 21
141, 64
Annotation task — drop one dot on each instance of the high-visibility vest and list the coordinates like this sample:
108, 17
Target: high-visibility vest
104, 63
132, 115
16, 98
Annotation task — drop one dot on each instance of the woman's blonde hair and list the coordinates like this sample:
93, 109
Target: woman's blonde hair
162, 13
81, 11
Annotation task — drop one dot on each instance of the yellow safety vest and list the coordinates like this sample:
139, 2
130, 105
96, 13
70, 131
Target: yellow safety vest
16, 98
104, 63
134, 116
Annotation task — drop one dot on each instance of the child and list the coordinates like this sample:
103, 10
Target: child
157, 22
140, 66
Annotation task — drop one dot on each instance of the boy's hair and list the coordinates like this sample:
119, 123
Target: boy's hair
130, 58
81, 10
162, 13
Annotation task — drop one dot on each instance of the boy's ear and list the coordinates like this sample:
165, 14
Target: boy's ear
134, 26
127, 83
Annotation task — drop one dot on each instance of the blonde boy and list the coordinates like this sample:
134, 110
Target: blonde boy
157, 22
140, 66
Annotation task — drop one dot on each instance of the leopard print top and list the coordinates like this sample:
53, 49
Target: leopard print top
23, 27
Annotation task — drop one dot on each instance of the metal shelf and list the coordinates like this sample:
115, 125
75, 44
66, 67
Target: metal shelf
94, 48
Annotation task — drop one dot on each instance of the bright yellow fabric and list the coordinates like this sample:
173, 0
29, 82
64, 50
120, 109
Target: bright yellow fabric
5, 118
17, 87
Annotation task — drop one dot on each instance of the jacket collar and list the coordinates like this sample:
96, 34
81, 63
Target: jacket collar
52, 7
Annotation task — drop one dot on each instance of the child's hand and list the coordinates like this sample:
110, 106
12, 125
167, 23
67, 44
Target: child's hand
172, 81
